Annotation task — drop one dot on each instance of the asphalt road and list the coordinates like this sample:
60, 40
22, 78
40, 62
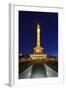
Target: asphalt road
38, 71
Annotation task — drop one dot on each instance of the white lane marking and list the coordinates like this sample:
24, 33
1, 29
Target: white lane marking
50, 72
26, 73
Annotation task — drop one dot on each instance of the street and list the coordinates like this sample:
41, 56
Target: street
38, 71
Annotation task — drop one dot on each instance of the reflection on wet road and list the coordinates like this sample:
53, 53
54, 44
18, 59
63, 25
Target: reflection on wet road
26, 73
38, 71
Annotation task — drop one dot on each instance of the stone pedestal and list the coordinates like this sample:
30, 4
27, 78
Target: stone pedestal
38, 56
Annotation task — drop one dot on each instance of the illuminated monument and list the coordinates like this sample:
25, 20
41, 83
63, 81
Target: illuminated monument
38, 50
